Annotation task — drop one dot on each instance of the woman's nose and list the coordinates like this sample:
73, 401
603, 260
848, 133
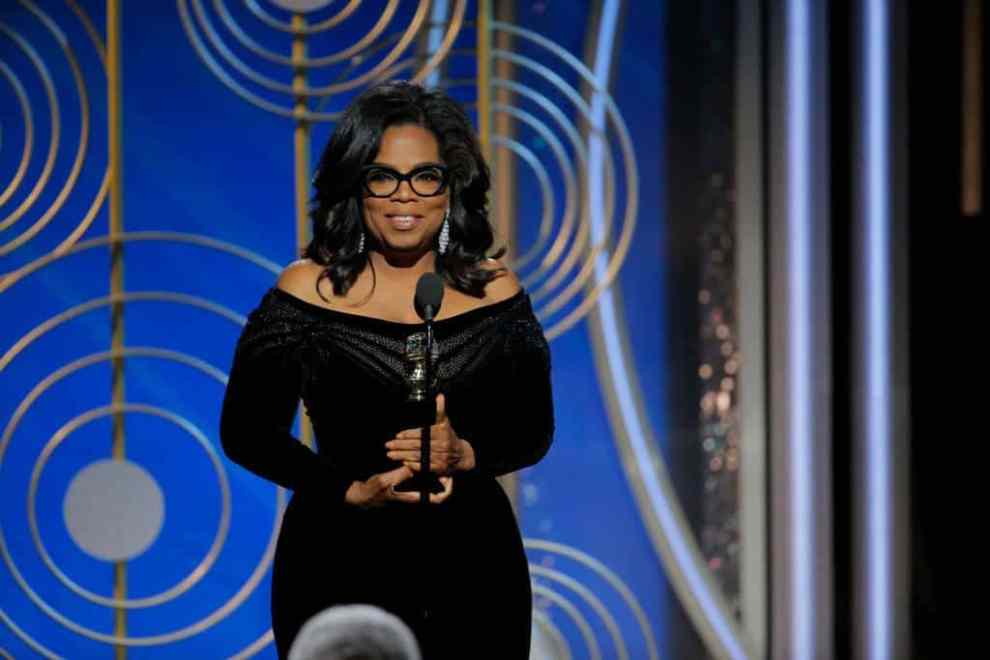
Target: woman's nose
404, 191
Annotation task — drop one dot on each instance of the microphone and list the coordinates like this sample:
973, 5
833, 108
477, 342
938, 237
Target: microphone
422, 404
429, 296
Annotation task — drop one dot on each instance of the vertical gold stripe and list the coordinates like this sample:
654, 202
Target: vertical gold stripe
302, 148
116, 209
120, 614
115, 131
301, 133
484, 76
504, 165
972, 108
509, 482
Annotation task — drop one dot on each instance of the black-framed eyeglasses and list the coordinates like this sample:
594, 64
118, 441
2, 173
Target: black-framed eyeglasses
425, 181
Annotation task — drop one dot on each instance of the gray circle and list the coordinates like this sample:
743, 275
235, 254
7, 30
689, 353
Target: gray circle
114, 509
301, 6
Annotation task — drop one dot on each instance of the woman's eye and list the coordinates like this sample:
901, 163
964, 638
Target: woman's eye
430, 175
379, 177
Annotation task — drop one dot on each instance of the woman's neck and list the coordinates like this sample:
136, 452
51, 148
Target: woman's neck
404, 267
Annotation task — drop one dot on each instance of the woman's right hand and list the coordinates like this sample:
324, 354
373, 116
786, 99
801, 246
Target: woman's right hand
380, 488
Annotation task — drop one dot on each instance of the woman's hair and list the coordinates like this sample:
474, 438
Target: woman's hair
336, 208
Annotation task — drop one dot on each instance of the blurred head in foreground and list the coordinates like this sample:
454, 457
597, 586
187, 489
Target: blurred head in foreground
354, 632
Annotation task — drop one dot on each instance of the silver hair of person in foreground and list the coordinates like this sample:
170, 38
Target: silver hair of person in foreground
353, 632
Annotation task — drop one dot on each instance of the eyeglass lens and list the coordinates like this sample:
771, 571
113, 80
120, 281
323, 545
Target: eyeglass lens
426, 182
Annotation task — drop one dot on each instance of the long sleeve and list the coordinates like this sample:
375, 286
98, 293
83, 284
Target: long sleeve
260, 405
520, 433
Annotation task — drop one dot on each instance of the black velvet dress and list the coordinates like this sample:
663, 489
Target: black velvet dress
455, 573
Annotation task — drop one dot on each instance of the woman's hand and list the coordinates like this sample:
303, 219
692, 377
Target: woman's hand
380, 488
448, 453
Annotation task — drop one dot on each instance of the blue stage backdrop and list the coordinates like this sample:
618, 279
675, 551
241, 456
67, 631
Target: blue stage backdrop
124, 529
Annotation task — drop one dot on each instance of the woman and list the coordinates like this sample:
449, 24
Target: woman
401, 190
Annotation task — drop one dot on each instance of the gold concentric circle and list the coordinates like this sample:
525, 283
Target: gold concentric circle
55, 145
547, 627
246, 589
618, 644
316, 28
571, 553
220, 537
582, 623
217, 54
261, 569
197, 573
567, 267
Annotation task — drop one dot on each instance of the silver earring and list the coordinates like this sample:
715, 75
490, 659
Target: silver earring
361, 243
444, 240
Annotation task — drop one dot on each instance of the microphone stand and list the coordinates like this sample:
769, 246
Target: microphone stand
429, 296
427, 301
424, 446
422, 411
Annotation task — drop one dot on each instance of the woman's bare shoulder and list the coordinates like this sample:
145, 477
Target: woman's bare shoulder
504, 285
299, 278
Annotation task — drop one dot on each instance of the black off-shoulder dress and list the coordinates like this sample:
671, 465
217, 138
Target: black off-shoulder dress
456, 573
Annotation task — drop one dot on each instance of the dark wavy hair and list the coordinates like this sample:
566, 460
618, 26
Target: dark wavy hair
336, 208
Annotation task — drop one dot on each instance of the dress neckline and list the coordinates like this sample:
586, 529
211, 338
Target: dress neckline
374, 320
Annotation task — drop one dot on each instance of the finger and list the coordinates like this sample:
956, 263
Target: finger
409, 434
403, 444
406, 455
436, 498
397, 476
441, 408
442, 440
440, 430
448, 488
437, 465
410, 497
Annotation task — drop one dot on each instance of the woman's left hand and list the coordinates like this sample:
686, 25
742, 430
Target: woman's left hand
448, 452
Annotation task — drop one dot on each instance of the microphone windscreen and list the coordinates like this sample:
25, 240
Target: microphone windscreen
429, 295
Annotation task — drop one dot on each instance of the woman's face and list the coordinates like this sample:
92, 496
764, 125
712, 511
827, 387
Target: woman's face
405, 222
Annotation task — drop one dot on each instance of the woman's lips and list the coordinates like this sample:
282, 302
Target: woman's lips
403, 222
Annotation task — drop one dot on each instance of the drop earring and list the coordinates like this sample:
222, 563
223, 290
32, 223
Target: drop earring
444, 239
361, 243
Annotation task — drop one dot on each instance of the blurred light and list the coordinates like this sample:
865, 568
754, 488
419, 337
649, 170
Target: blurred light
878, 437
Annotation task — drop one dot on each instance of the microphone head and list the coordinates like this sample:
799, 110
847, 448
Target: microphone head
429, 296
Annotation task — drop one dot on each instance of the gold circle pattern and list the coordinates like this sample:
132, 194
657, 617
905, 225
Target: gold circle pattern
56, 129
607, 574
262, 567
84, 109
195, 21
67, 370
